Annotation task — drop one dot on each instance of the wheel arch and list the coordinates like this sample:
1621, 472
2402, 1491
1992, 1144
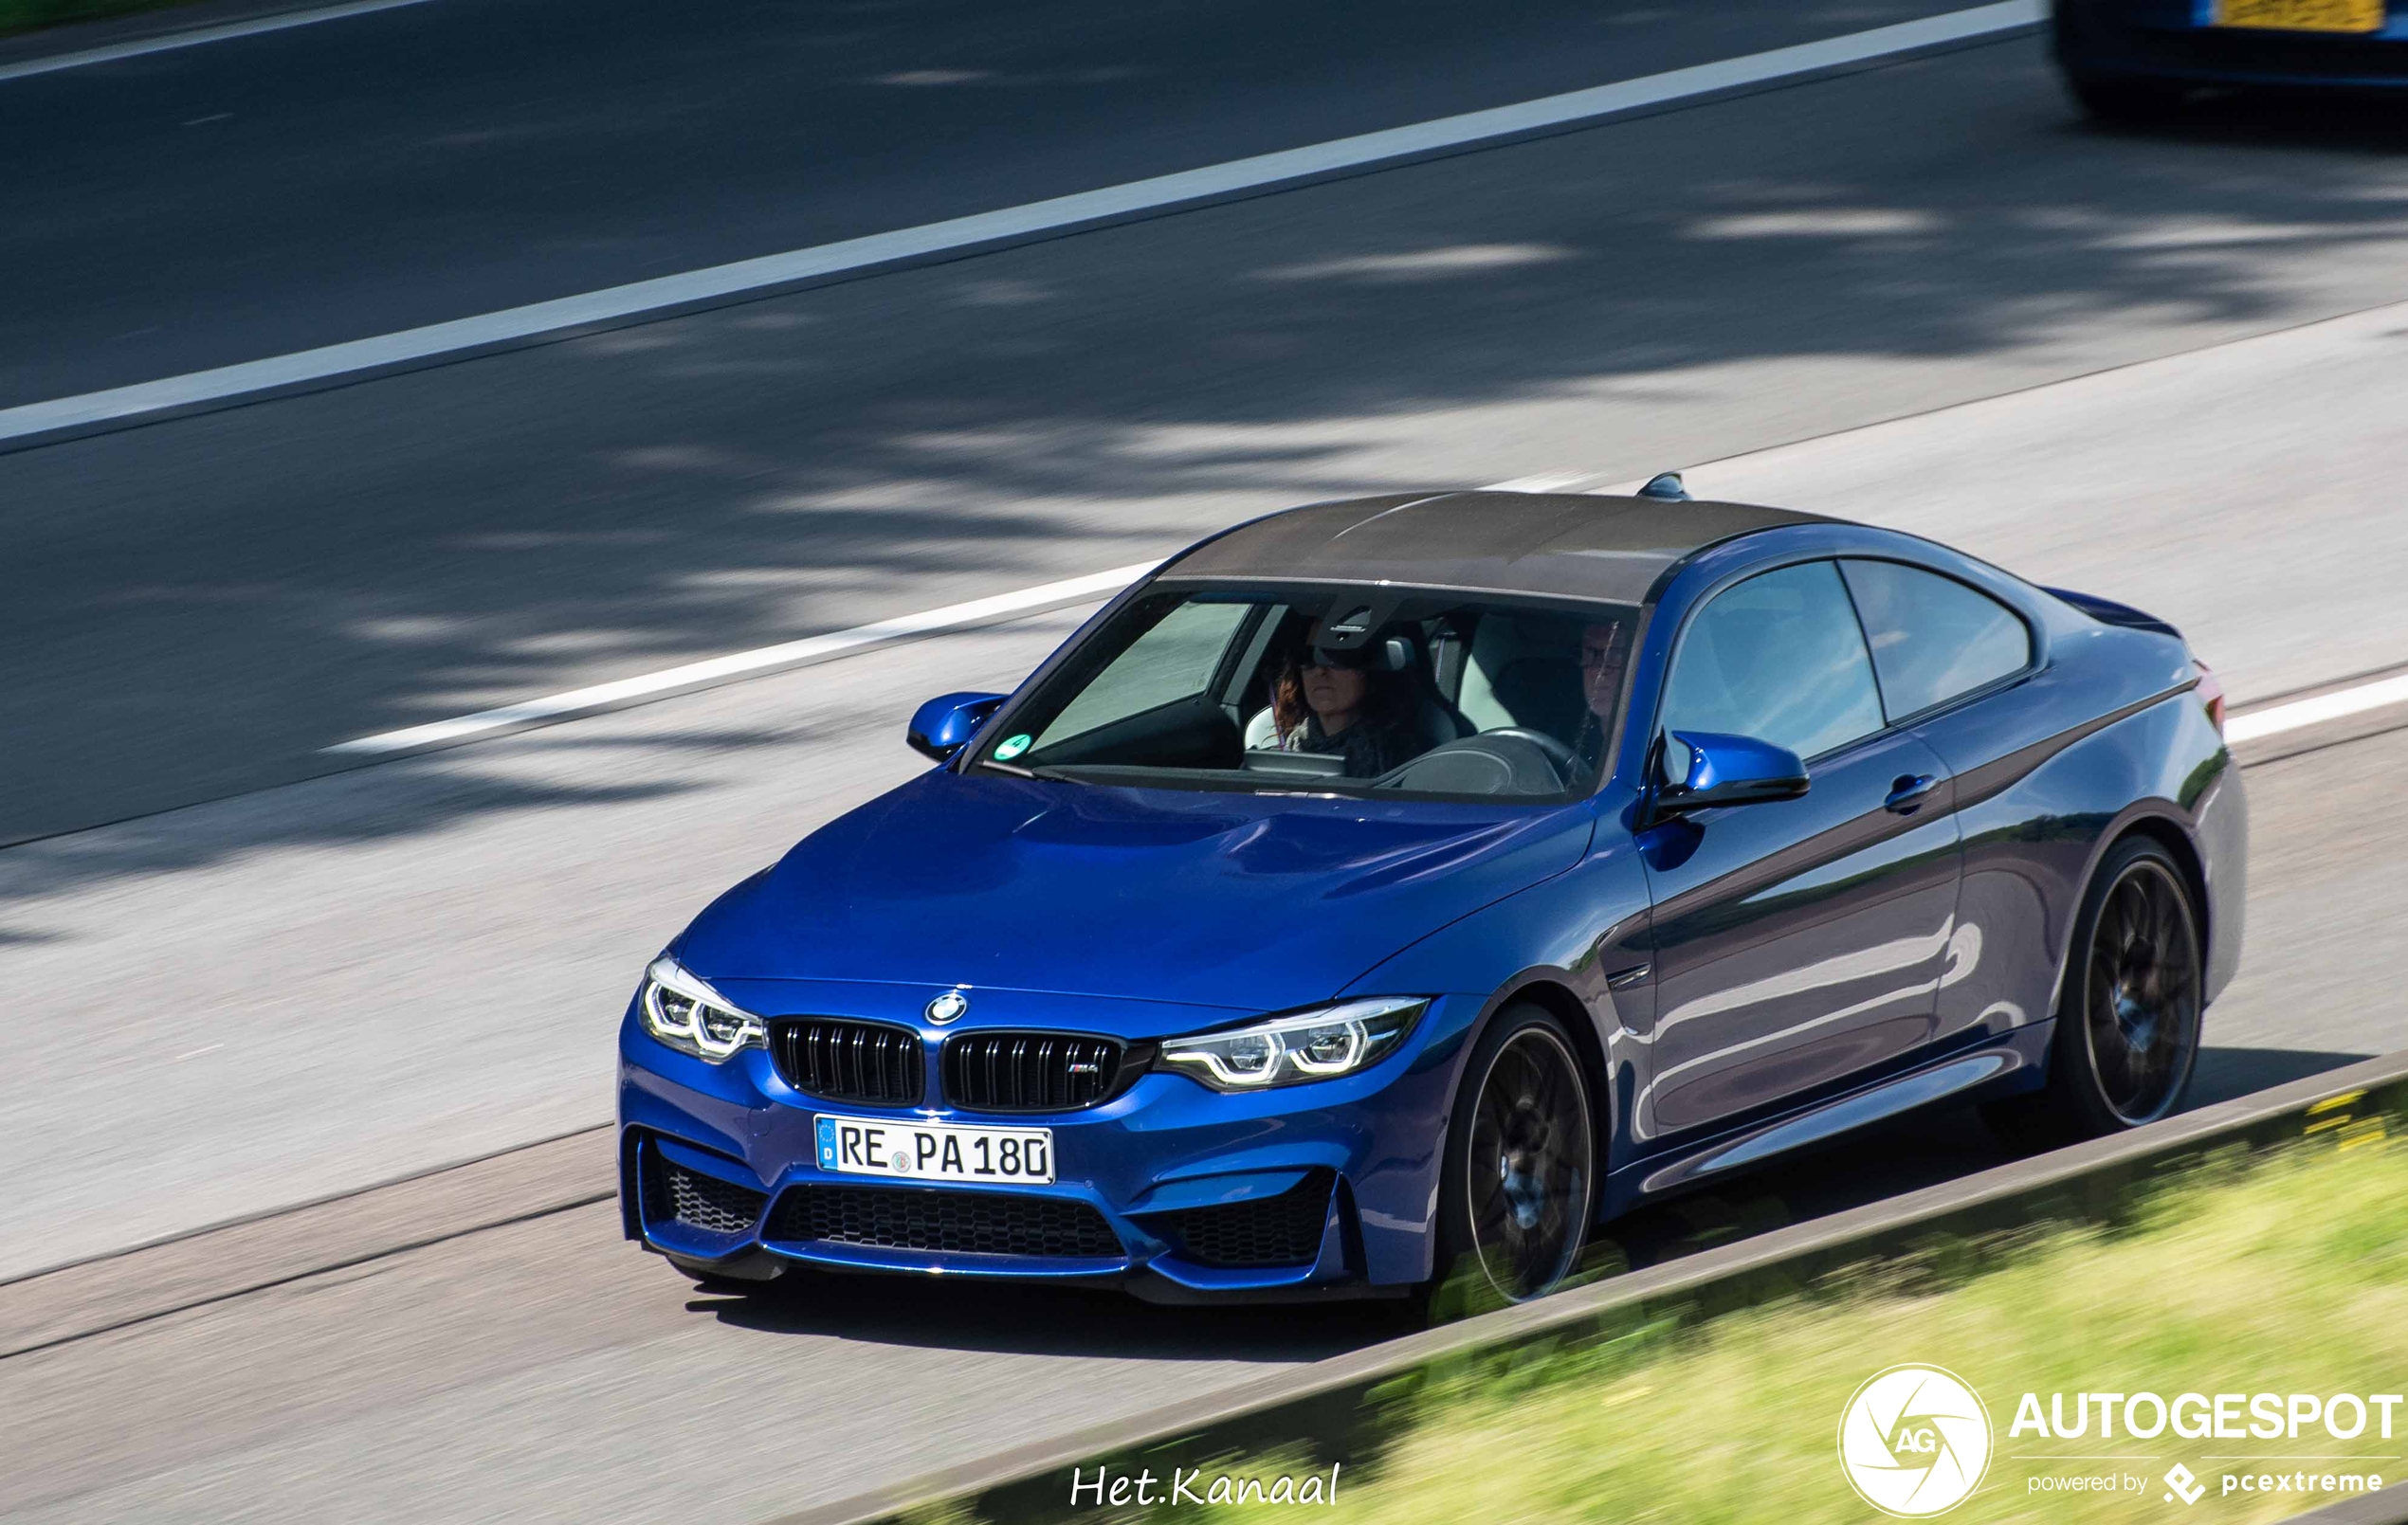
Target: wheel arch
2150, 820
1550, 989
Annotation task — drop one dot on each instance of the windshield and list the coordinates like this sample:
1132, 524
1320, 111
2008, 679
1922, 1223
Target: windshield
1341, 689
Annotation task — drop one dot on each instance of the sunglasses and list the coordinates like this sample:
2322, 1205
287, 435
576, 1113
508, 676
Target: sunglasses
1361, 660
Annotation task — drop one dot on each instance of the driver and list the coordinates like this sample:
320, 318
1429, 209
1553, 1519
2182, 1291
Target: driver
1605, 654
1342, 703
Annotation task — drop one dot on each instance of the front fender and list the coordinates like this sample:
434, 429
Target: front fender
1572, 933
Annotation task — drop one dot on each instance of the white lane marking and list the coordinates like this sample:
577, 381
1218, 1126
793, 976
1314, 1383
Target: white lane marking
763, 659
195, 37
2323, 707
1094, 588
667, 295
1546, 483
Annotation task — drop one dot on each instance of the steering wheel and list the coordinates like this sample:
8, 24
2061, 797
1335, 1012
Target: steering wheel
1568, 763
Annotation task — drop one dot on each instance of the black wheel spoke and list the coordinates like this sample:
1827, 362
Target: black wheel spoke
2141, 985
1528, 1165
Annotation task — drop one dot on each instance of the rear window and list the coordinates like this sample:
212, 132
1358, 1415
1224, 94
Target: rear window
1933, 638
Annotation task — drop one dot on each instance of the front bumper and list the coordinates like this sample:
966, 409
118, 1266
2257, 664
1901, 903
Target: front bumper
1170, 1190
2174, 40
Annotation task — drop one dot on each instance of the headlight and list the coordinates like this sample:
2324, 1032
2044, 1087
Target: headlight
1306, 1045
685, 1013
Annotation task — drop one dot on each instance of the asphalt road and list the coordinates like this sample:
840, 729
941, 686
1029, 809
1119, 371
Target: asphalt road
317, 985
225, 202
200, 606
546, 1371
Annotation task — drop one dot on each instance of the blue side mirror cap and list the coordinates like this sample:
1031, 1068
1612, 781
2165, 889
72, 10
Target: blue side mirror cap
1727, 770
946, 724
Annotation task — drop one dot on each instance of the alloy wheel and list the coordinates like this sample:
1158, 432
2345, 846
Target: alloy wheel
1528, 1166
2142, 993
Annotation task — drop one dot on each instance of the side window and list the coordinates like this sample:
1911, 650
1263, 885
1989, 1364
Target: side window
1933, 638
1780, 658
1173, 660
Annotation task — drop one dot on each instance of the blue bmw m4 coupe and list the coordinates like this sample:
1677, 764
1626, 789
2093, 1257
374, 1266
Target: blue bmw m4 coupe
1396, 889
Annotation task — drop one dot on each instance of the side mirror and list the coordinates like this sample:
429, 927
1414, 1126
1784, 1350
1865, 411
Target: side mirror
1732, 771
946, 724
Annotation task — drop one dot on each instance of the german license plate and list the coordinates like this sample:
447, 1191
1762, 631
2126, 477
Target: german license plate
934, 1150
2303, 15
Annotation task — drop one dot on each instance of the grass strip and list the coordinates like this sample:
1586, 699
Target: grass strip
2282, 1271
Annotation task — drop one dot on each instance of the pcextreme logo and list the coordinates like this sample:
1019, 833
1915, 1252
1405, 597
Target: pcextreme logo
1914, 1441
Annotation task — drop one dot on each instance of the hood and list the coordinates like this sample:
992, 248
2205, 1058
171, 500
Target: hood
1251, 901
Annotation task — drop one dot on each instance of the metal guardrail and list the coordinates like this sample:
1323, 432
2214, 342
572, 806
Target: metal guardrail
1322, 1404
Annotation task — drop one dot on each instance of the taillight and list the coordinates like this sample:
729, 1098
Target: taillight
2210, 693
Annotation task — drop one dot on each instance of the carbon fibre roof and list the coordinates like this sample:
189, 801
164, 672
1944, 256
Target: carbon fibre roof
1568, 544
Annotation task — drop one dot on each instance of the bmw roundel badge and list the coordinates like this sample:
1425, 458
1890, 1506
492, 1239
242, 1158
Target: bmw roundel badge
948, 1008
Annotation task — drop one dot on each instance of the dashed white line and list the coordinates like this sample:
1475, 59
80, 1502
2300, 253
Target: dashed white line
762, 661
195, 37
643, 300
2338, 705
714, 671
1094, 588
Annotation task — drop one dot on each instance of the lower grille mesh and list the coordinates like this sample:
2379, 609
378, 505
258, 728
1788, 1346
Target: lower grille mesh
698, 1201
1281, 1230
959, 1222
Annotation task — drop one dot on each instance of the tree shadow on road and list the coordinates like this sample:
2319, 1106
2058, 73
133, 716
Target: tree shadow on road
204, 602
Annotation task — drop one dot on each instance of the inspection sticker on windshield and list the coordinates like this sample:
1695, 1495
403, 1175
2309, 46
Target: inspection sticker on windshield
934, 1151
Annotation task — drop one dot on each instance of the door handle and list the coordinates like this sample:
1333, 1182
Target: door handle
1908, 790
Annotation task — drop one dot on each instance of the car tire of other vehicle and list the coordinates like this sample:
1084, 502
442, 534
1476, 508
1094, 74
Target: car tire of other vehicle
1521, 1178
2129, 1012
2115, 97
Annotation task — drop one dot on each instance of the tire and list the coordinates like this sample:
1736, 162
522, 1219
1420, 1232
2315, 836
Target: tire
2121, 100
2129, 1010
1518, 1186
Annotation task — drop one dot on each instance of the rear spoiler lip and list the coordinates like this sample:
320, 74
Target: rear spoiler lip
2108, 611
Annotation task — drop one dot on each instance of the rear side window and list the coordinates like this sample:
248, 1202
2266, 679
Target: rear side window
1778, 657
1932, 637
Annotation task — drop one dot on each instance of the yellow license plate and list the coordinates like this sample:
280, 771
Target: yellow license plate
2303, 15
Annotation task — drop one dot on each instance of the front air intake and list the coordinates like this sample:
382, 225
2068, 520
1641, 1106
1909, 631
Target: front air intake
672, 1194
946, 1222
1269, 1231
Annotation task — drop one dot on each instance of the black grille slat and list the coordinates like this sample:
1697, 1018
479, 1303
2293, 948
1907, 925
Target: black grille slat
1269, 1231
672, 1192
845, 1060
952, 1223
1031, 1071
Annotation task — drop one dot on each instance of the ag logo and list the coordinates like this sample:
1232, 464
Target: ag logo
1914, 1441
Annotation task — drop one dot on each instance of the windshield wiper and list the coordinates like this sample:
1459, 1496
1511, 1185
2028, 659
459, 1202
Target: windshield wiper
1018, 771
